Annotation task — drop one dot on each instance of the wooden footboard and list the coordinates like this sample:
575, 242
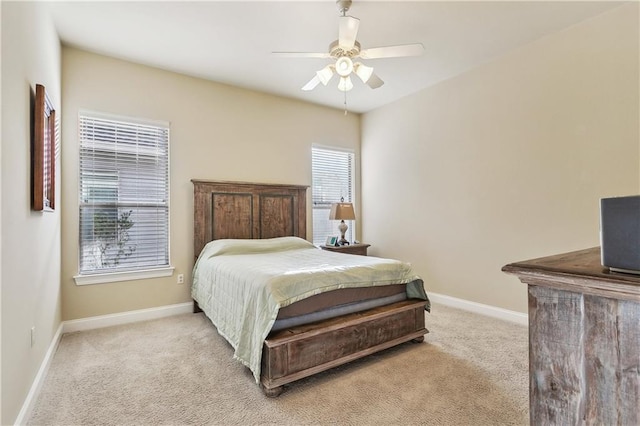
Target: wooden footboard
302, 351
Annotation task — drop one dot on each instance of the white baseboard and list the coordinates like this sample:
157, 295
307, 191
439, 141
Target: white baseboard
479, 308
38, 381
89, 324
126, 317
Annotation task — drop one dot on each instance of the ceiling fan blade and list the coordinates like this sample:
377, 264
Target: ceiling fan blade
347, 32
301, 55
311, 84
415, 49
374, 81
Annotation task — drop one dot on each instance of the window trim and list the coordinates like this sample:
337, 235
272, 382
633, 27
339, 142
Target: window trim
135, 274
112, 277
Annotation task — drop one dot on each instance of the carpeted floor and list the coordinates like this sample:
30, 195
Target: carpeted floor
471, 370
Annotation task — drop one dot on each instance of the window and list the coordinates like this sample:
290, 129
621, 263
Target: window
332, 175
124, 195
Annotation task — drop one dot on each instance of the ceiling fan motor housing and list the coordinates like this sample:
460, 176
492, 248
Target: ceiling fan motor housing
337, 52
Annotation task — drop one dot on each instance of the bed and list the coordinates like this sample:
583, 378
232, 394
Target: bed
286, 323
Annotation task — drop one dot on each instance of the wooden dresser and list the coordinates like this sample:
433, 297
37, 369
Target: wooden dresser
584, 340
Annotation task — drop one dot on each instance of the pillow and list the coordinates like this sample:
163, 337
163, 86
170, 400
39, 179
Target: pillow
248, 246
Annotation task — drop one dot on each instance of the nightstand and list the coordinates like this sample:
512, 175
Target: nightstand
359, 248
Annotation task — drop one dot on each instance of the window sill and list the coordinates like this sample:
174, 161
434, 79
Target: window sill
113, 277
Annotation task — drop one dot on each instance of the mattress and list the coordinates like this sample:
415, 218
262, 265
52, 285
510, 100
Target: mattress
342, 296
336, 303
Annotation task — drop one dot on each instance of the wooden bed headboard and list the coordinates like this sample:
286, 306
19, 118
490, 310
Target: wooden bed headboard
247, 210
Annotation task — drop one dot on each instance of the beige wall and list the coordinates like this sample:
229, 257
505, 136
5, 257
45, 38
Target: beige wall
506, 162
217, 132
503, 163
30, 240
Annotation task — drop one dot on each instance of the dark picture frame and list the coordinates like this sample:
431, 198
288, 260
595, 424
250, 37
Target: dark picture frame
43, 153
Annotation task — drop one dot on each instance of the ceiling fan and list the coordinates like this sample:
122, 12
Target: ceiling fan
346, 49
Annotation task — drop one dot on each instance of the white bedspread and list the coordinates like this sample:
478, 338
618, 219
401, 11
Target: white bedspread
241, 284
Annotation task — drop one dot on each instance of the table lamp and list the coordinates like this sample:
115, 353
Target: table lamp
342, 211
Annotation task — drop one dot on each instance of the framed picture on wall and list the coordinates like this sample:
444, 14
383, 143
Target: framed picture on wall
43, 155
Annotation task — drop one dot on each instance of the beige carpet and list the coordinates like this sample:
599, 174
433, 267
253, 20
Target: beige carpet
471, 370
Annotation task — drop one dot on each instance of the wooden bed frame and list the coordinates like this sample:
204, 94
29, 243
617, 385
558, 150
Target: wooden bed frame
251, 210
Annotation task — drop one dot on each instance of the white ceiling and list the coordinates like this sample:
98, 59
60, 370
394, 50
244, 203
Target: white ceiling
231, 42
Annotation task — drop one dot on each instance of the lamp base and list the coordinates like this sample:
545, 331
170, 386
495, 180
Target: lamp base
343, 230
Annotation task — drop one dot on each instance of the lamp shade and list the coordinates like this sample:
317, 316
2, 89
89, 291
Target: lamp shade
325, 74
345, 84
342, 211
363, 71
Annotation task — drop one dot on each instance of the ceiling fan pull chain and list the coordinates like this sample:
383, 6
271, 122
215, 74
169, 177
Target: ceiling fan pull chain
345, 103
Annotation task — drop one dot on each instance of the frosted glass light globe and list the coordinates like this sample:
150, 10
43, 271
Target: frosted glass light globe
344, 66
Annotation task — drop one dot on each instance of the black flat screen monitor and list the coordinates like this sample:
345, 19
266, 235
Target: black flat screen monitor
620, 233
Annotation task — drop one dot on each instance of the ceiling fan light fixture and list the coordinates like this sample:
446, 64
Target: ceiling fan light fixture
345, 50
345, 84
344, 66
325, 74
363, 71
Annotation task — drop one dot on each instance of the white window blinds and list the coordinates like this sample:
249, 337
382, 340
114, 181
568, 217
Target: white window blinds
124, 194
332, 176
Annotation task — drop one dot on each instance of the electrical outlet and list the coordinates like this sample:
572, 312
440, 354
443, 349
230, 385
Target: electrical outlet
33, 336
180, 278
